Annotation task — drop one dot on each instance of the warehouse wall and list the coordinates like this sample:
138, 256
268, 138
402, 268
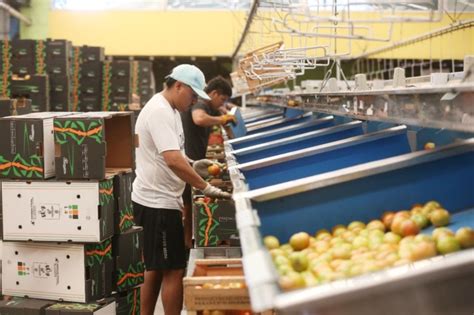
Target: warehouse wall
215, 33
146, 33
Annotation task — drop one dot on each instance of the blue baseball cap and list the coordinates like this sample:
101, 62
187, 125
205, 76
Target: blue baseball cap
192, 76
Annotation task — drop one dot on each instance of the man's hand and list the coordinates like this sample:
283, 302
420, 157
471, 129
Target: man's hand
215, 192
202, 167
227, 118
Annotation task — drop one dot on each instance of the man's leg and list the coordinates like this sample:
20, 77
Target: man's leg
150, 291
150, 220
172, 293
187, 216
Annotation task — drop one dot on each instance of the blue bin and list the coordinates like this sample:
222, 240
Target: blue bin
277, 123
298, 142
279, 133
326, 157
365, 191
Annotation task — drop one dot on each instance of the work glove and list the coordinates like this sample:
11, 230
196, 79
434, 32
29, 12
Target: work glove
201, 167
227, 118
214, 192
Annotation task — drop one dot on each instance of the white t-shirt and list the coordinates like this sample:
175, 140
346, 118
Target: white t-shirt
159, 129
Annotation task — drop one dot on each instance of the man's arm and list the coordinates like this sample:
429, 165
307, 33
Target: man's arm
202, 119
180, 166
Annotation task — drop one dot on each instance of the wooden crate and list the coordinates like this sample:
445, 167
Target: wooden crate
216, 284
217, 148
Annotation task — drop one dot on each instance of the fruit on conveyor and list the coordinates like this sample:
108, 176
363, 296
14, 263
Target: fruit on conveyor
214, 170
219, 286
429, 146
271, 242
439, 217
299, 241
465, 237
360, 248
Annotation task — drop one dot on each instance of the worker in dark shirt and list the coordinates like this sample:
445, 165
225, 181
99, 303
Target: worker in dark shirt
197, 126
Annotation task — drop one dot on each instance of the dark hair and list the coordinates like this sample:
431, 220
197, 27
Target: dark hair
169, 81
219, 84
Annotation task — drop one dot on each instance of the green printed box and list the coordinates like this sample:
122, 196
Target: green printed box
88, 144
27, 146
128, 253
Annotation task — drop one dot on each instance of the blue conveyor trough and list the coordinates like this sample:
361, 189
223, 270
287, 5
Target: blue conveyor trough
297, 142
324, 158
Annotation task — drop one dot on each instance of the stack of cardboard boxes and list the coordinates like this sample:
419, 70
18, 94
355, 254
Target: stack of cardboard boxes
59, 77
87, 78
58, 68
5, 68
127, 85
13, 107
143, 82
70, 238
40, 71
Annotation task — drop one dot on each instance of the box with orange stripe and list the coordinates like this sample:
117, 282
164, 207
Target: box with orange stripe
58, 271
128, 254
27, 146
124, 216
88, 144
128, 303
214, 219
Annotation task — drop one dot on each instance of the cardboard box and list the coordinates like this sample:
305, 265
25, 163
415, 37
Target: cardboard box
216, 284
90, 89
91, 70
106, 308
14, 107
28, 150
116, 83
58, 271
34, 87
22, 306
23, 48
123, 214
119, 103
92, 54
214, 222
5, 67
89, 103
106, 85
128, 303
129, 265
1, 232
58, 69
59, 211
121, 68
58, 50
60, 101
89, 143
23, 66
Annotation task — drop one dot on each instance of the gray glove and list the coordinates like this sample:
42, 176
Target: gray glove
214, 192
200, 166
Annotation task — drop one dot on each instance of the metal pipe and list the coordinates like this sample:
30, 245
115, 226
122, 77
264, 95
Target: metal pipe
15, 13
252, 12
438, 32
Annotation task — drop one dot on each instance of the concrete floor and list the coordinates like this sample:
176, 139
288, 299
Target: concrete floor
159, 307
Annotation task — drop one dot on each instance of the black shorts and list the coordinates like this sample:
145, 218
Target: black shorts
163, 237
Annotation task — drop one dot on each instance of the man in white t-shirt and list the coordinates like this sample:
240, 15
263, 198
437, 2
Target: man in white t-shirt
161, 174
